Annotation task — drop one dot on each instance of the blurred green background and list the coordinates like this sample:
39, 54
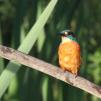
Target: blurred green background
81, 16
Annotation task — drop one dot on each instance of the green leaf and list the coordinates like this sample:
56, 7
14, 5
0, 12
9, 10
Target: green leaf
1, 60
8, 74
45, 86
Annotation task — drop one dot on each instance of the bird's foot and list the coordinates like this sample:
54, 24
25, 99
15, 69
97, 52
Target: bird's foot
76, 75
64, 70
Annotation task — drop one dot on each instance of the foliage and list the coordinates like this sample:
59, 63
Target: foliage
16, 19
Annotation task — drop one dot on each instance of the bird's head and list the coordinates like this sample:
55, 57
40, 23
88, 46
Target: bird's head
67, 35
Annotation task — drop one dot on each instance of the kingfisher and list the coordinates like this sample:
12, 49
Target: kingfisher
69, 52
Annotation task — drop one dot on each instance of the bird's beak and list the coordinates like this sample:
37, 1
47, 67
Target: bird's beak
61, 34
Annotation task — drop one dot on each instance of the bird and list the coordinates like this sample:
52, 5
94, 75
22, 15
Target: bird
69, 52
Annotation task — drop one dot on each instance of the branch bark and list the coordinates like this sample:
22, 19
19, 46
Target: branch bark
34, 63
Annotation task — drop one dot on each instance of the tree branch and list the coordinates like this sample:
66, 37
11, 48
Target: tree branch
51, 70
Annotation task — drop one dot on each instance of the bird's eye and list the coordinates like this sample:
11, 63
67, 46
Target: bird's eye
71, 33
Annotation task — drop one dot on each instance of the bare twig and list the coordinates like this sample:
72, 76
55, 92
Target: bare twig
49, 69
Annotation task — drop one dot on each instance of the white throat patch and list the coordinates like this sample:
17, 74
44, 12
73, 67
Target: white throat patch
65, 39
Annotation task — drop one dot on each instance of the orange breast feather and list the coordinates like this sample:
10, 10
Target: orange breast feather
69, 56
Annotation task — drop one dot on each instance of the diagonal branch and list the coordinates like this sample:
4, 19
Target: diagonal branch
34, 63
